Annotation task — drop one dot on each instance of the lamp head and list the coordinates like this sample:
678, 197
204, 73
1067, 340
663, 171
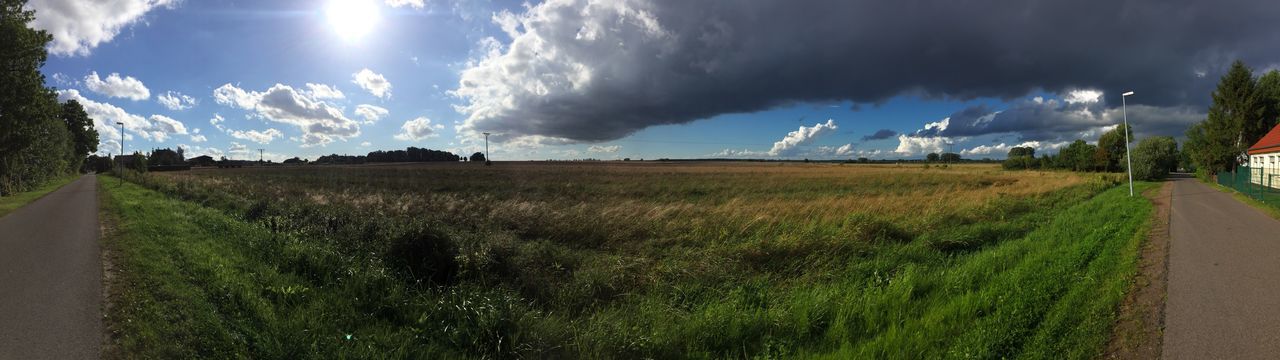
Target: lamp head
119, 123
1127, 93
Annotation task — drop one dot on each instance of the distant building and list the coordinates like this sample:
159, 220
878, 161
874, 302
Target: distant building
202, 160
1264, 156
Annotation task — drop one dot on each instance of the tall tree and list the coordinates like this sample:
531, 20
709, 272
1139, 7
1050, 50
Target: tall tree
1111, 148
83, 136
1235, 118
1269, 92
34, 144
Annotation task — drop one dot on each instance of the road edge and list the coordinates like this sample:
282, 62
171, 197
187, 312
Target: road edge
108, 232
1139, 328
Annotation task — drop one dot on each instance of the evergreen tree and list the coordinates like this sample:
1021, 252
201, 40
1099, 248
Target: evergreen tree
1235, 121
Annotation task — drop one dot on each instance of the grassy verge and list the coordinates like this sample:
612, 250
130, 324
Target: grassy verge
196, 283
1268, 209
10, 203
1021, 282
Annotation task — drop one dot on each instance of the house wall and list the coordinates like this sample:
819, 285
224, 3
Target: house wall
1267, 169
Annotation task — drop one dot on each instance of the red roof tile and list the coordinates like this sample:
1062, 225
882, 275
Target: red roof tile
1268, 144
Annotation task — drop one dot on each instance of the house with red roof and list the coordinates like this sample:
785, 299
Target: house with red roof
1265, 156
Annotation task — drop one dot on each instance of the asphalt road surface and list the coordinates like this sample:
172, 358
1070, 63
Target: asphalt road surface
1224, 278
51, 276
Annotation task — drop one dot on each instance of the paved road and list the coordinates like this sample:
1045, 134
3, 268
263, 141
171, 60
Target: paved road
1224, 278
51, 276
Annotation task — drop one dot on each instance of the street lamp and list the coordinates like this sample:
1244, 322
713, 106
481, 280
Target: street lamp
1128, 156
121, 165
486, 149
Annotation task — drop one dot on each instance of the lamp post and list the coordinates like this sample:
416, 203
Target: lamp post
486, 149
121, 151
1128, 156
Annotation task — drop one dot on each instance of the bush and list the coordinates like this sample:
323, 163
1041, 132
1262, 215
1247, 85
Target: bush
1154, 158
427, 253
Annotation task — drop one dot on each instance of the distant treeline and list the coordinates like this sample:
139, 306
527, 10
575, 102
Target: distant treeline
1153, 158
412, 154
40, 138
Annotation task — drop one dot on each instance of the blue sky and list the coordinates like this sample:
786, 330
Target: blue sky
565, 79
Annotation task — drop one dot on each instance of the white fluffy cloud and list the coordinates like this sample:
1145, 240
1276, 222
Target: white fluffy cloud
78, 26
418, 129
197, 138
917, 145
737, 153
1003, 148
604, 149
320, 122
322, 91
416, 4
370, 113
163, 126
174, 100
159, 128
261, 137
116, 86
802, 136
373, 82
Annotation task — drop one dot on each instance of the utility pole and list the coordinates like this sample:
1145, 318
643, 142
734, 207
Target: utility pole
486, 149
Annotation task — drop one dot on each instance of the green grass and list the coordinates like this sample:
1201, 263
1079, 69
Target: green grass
208, 271
10, 203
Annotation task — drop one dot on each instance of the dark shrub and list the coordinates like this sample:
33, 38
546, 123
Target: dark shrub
426, 254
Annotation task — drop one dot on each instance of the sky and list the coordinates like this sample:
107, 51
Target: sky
611, 79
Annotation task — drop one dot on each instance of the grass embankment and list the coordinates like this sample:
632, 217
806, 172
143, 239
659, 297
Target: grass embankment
752, 264
10, 203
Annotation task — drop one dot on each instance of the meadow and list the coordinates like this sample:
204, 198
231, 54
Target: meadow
620, 260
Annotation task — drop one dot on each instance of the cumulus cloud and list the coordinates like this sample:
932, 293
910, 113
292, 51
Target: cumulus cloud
418, 129
1002, 149
79, 26
158, 128
370, 113
598, 70
174, 100
116, 86
416, 4
916, 145
261, 137
197, 138
604, 149
320, 122
372, 82
322, 91
802, 136
880, 135
163, 126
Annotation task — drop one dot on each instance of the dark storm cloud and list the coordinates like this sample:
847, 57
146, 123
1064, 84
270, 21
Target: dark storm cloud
1056, 120
578, 72
880, 135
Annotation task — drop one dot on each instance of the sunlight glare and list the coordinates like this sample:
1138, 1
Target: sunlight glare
352, 19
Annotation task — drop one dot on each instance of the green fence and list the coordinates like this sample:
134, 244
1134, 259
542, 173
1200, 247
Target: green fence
1257, 183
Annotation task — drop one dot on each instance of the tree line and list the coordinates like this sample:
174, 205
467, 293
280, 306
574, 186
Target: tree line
1153, 157
1244, 109
412, 154
40, 138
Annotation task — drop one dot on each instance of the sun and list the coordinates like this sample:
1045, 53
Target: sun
352, 19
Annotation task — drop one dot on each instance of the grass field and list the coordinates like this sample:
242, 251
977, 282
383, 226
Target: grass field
621, 260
